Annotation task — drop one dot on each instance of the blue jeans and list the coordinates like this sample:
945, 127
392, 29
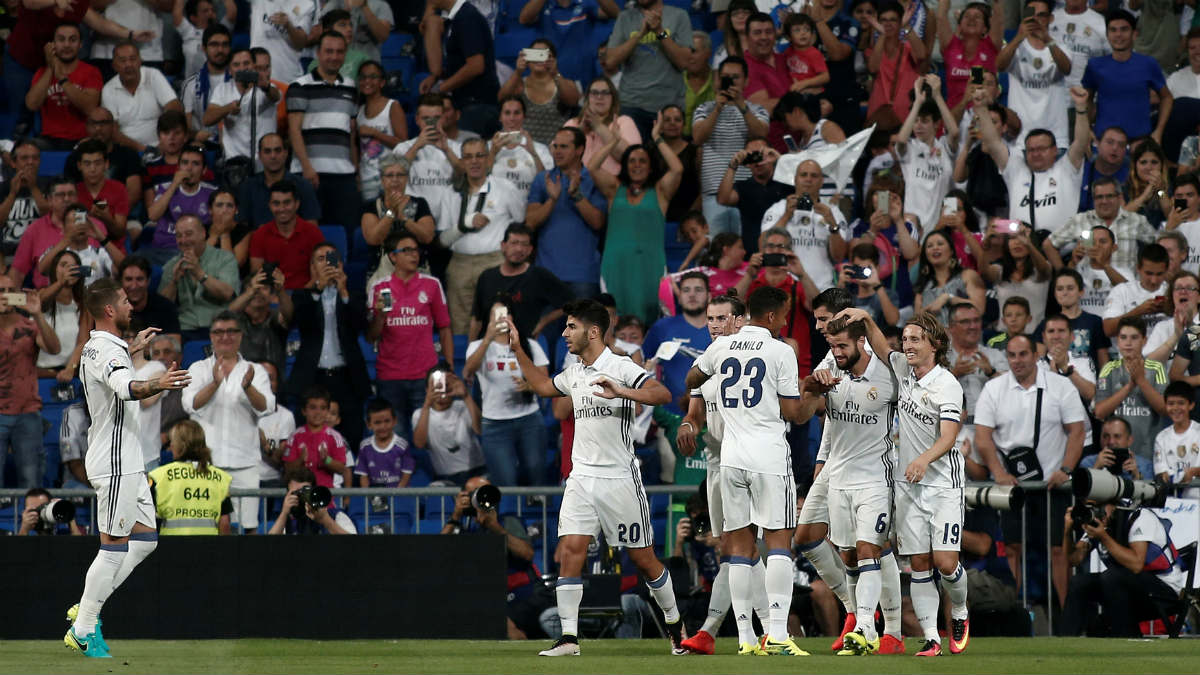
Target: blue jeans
406, 397
507, 443
721, 218
24, 432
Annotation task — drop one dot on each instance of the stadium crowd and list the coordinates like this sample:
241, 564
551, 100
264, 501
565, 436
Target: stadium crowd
328, 208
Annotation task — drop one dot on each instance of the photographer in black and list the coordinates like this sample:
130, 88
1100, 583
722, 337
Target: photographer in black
1141, 570
475, 513
308, 508
44, 515
697, 550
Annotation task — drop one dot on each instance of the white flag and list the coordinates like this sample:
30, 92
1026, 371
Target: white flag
837, 161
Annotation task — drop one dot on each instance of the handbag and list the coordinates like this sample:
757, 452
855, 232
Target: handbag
1023, 462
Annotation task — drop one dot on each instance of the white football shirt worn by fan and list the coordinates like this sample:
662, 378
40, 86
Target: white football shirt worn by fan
106, 370
754, 371
923, 405
603, 446
858, 416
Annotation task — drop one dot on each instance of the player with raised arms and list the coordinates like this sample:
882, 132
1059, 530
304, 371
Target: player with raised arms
604, 490
114, 464
929, 476
758, 388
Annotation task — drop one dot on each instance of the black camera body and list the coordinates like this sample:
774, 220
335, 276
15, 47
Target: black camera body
804, 203
774, 260
701, 524
246, 77
753, 157
313, 496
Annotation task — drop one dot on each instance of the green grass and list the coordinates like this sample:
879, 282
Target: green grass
995, 655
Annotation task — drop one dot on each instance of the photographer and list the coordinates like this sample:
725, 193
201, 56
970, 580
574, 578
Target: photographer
698, 547
1141, 573
301, 515
34, 518
527, 595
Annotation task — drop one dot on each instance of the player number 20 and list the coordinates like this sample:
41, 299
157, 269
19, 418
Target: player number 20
731, 369
633, 530
950, 533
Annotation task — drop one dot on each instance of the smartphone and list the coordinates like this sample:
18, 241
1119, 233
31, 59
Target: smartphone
439, 381
790, 143
101, 203
333, 257
1086, 236
268, 268
857, 272
883, 201
1004, 225
1181, 204
246, 77
976, 74
726, 82
533, 55
499, 314
85, 272
1121, 455
385, 297
14, 299
774, 260
81, 218
430, 120
949, 206
1027, 13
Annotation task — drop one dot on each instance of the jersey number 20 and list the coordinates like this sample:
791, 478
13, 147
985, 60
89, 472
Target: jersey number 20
731, 369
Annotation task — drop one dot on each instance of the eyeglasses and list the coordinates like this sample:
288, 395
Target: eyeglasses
1191, 289
224, 332
406, 249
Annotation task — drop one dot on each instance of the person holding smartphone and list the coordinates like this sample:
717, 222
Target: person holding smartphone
1185, 217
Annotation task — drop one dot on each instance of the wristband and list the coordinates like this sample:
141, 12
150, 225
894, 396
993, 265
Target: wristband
662, 35
687, 424
577, 196
1065, 470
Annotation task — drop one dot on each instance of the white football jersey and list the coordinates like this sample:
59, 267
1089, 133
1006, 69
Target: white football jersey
603, 446
1175, 453
712, 415
923, 405
114, 446
858, 417
754, 371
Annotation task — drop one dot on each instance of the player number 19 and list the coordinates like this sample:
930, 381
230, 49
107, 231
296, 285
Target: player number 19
950, 534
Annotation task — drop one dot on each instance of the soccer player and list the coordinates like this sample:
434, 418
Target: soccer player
859, 396
604, 490
726, 314
115, 468
758, 389
929, 476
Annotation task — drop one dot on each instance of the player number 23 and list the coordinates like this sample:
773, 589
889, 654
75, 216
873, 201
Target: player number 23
732, 372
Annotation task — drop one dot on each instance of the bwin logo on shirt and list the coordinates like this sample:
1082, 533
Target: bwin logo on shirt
1049, 200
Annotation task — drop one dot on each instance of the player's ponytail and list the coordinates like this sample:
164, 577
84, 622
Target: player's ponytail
189, 445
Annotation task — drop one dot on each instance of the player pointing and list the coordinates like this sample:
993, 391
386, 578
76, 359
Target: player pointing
604, 490
124, 507
758, 380
929, 476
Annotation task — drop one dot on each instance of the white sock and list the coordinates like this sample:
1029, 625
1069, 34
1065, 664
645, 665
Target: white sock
925, 602
664, 595
780, 576
758, 595
141, 545
569, 592
740, 591
718, 601
831, 569
956, 590
98, 585
889, 596
866, 594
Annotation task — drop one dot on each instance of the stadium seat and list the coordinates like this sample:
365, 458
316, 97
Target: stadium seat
53, 163
336, 235
196, 350
396, 45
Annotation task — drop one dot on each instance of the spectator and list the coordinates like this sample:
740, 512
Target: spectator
381, 126
1041, 185
698, 83
432, 157
893, 58
529, 288
1176, 246
1020, 269
1014, 315
97, 259
687, 197
447, 425
861, 278
383, 457
468, 71
790, 278
406, 310
1144, 296
753, 195
124, 165
1037, 69
254, 194
1115, 234
450, 117
228, 231
838, 34
137, 15
984, 184
513, 432
601, 120
322, 130
394, 210
693, 229
284, 29
1080, 30
800, 117
689, 329
1181, 305
1147, 186
106, 199
330, 320
186, 195
191, 496
568, 26
1088, 338
805, 63
372, 22
20, 408
817, 230
274, 430
960, 220
976, 42
64, 90
160, 163
722, 127
634, 259
192, 18
287, 241
1184, 217
1185, 82
514, 155
338, 21
973, 363
24, 195
1122, 83
245, 118
926, 160
162, 353
1111, 161
767, 78
651, 77
149, 309
198, 89
49, 230
31, 520
1132, 386
297, 517
723, 263
1061, 358
1142, 578
1175, 460
544, 91
1050, 452
137, 97
62, 305
201, 279
567, 210
317, 446
264, 313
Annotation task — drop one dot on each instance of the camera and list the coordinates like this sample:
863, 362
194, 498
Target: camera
858, 272
701, 524
485, 498
1083, 514
774, 260
804, 203
313, 496
246, 77
1103, 487
726, 82
55, 512
753, 157
999, 497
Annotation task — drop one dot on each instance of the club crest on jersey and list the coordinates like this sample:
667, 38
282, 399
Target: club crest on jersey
1097, 284
873, 393
113, 364
1181, 451
422, 298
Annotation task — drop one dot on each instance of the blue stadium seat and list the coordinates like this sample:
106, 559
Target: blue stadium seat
53, 163
336, 235
510, 15
358, 246
394, 45
194, 351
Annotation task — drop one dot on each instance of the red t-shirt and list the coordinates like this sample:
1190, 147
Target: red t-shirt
113, 192
292, 253
61, 119
804, 64
312, 447
35, 27
798, 318
774, 78
418, 310
18, 352
958, 66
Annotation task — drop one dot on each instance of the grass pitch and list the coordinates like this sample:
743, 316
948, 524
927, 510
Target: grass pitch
615, 657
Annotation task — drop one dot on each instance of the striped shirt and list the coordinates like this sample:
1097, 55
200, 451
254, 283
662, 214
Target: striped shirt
727, 138
328, 111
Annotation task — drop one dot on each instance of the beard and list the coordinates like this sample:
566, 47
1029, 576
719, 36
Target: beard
851, 361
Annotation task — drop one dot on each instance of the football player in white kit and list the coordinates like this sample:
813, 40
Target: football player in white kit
929, 476
758, 388
604, 491
726, 313
859, 400
114, 463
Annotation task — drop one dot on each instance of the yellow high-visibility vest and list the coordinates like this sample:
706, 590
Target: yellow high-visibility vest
188, 501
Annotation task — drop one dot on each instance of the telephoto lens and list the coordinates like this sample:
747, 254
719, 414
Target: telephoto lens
999, 497
56, 511
485, 498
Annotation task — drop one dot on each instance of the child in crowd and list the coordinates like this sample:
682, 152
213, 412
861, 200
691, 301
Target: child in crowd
804, 61
1015, 315
1177, 448
317, 445
383, 456
693, 229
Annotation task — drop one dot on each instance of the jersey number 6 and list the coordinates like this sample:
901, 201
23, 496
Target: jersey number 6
731, 369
